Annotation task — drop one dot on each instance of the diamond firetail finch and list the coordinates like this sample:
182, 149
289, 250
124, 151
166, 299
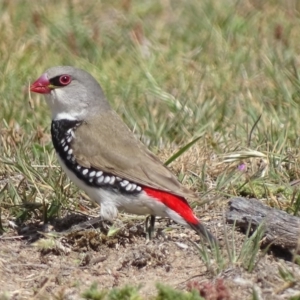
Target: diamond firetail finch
102, 156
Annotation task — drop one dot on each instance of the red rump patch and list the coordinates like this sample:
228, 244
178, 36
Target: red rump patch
174, 202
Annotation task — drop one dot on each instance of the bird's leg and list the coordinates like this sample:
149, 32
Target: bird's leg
149, 228
152, 224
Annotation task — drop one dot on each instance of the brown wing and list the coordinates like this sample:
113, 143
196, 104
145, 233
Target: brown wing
107, 144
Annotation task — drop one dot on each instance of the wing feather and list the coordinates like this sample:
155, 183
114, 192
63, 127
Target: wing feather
107, 144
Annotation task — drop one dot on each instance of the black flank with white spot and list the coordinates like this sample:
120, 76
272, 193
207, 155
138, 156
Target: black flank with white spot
63, 132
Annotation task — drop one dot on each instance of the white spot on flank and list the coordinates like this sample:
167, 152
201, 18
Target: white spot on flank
78, 167
99, 173
111, 202
63, 142
124, 183
69, 157
118, 179
112, 180
69, 131
100, 179
73, 134
85, 171
69, 139
92, 174
128, 187
133, 187
66, 148
70, 151
106, 179
91, 180
138, 188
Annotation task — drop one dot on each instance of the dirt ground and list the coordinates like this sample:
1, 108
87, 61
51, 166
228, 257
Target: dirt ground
35, 267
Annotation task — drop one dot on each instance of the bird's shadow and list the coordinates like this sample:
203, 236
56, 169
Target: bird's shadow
74, 222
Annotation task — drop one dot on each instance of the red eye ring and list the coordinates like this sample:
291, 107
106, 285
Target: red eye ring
64, 79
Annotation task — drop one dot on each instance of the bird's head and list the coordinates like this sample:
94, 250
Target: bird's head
71, 93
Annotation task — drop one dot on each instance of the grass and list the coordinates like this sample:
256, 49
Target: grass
226, 72
130, 293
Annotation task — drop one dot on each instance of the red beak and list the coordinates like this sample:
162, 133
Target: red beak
41, 85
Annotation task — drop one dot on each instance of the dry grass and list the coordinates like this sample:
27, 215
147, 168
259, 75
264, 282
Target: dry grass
226, 71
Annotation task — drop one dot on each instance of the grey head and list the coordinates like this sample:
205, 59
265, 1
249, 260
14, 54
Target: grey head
71, 93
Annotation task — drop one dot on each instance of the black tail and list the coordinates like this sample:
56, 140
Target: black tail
201, 230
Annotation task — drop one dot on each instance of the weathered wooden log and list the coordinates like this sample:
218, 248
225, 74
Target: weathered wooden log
279, 227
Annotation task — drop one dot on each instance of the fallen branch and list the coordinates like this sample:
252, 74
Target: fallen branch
279, 227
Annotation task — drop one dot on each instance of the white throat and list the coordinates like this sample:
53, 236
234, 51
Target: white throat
63, 116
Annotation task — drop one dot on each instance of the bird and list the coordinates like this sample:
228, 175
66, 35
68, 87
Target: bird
102, 156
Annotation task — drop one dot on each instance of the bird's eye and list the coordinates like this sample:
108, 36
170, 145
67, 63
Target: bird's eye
64, 79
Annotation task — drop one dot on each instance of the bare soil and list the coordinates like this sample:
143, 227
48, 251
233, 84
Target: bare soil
33, 265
